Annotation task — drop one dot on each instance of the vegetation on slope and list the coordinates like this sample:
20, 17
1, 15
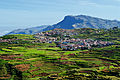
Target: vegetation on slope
24, 60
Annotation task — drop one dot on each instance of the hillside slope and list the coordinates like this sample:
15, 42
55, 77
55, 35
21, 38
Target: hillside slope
24, 57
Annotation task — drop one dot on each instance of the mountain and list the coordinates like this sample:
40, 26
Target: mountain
83, 21
73, 22
32, 30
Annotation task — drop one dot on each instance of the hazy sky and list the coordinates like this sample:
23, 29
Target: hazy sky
16, 14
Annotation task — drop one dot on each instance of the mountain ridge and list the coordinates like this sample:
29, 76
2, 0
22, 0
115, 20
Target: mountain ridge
75, 22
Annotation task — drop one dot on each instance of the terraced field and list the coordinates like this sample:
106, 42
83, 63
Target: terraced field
23, 60
44, 62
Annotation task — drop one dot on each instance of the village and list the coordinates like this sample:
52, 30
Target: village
63, 39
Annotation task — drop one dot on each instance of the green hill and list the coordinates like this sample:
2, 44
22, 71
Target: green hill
23, 57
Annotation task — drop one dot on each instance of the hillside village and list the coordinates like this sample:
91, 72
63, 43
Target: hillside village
63, 39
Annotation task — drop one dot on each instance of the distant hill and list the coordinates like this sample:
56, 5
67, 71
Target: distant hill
32, 30
73, 22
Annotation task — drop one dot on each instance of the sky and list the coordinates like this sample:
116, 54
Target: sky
21, 14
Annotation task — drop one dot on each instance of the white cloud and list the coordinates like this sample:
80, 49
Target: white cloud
90, 3
87, 3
